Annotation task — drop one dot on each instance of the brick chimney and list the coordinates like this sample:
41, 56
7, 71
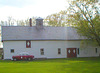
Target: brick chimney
30, 22
39, 23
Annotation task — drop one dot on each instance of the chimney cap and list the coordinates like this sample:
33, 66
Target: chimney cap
39, 18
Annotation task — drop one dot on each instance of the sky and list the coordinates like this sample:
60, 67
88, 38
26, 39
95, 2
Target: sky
23, 9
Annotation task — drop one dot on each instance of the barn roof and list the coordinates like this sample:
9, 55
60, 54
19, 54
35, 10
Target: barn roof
32, 33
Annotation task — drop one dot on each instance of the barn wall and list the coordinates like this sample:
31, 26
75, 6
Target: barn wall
50, 49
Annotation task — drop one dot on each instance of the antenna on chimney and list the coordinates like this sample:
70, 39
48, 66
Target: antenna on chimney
30, 22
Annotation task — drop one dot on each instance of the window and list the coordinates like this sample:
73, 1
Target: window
12, 50
59, 50
78, 51
28, 44
96, 50
42, 51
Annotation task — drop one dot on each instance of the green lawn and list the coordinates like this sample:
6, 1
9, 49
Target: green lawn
68, 65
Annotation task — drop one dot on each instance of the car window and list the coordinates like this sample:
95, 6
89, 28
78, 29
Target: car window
23, 54
26, 54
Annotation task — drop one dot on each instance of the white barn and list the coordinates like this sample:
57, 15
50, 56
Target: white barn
44, 42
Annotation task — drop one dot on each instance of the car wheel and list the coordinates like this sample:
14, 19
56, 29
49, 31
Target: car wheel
15, 59
29, 59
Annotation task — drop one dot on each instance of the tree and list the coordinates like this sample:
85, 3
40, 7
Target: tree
20, 22
85, 17
14, 22
2, 23
26, 22
57, 19
10, 21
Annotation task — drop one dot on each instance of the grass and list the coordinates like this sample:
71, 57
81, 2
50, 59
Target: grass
68, 65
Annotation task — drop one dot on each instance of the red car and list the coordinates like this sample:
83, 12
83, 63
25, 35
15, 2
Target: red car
23, 56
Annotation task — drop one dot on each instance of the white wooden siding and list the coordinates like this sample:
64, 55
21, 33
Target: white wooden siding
50, 49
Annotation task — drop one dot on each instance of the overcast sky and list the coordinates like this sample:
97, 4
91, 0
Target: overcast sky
22, 9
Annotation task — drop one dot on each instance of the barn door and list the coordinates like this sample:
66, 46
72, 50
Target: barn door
71, 52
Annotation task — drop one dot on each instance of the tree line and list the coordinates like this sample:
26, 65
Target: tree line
83, 15
56, 19
14, 22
